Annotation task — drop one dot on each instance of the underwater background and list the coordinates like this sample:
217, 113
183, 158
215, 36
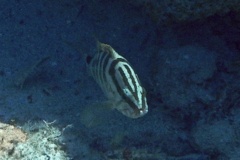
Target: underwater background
186, 54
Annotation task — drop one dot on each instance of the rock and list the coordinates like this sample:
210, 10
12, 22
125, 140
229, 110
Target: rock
9, 137
217, 137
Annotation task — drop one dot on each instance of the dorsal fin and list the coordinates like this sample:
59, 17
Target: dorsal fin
103, 47
106, 49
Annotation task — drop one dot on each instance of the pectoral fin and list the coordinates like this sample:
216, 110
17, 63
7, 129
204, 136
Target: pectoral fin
96, 114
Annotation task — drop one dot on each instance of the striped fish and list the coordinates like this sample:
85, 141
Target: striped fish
118, 81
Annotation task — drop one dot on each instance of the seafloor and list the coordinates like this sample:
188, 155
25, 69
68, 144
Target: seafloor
190, 68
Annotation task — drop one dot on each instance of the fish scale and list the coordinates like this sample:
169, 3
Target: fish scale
118, 80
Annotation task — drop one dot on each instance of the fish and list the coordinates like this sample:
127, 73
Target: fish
118, 81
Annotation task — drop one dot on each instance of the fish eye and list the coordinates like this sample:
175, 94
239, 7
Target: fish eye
126, 91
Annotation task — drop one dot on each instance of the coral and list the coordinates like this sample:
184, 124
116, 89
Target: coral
9, 137
43, 143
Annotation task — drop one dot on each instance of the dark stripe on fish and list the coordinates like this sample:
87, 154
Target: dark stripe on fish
118, 87
126, 82
127, 67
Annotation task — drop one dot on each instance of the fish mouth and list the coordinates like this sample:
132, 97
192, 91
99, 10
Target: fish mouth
140, 113
143, 111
